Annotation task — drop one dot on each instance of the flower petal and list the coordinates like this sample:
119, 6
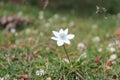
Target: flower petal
54, 38
70, 36
61, 31
66, 31
67, 41
60, 42
56, 33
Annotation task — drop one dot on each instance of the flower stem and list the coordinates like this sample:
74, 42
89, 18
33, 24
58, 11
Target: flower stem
76, 73
66, 53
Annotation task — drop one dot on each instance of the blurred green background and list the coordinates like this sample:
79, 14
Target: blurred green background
79, 6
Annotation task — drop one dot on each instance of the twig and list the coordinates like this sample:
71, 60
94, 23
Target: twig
79, 75
3, 66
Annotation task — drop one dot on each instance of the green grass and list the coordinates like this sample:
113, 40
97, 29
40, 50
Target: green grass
44, 52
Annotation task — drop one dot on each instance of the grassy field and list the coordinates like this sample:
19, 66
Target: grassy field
30, 52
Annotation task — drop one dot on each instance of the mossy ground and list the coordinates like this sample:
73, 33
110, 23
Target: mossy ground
31, 48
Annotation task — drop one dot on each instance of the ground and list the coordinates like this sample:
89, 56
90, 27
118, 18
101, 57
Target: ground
31, 49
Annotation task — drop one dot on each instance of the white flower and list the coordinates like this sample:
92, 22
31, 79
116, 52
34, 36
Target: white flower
111, 44
28, 31
40, 72
112, 49
15, 79
13, 30
62, 37
1, 78
100, 49
81, 46
117, 42
113, 57
6, 76
96, 39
